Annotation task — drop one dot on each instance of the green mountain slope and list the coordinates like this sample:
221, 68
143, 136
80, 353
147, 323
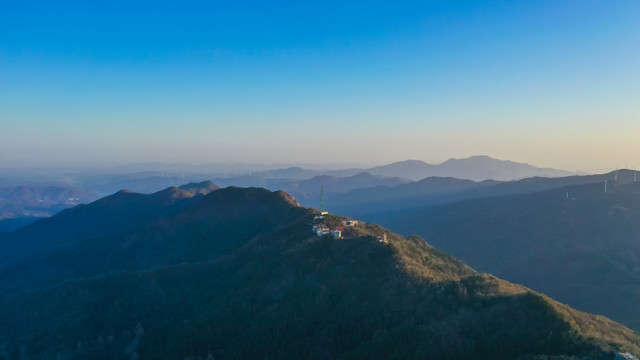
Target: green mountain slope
577, 244
239, 274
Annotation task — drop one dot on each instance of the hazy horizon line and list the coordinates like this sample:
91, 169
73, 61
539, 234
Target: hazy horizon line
265, 166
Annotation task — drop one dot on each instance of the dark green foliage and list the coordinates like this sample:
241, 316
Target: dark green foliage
259, 284
582, 250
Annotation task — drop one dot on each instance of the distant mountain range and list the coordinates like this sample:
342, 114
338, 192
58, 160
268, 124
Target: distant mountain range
476, 168
27, 197
309, 190
198, 272
437, 190
575, 243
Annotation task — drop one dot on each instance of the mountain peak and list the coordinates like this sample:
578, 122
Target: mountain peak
411, 161
287, 197
476, 159
246, 201
477, 168
244, 264
484, 157
363, 176
203, 187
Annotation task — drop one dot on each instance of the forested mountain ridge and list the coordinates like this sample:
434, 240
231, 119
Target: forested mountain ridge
115, 214
576, 243
238, 273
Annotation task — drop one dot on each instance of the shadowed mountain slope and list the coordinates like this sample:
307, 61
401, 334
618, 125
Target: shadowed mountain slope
366, 202
238, 274
427, 191
23, 204
576, 243
118, 213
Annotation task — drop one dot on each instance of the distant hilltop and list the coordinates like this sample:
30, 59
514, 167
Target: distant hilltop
477, 168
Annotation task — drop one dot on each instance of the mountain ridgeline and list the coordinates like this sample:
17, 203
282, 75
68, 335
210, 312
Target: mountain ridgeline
385, 198
237, 273
477, 168
576, 243
115, 214
27, 197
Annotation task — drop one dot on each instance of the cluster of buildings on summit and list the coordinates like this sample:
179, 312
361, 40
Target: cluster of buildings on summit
337, 232
320, 228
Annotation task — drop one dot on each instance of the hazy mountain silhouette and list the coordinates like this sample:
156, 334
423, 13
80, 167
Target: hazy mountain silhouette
308, 191
360, 202
27, 197
366, 202
476, 168
237, 273
287, 173
574, 243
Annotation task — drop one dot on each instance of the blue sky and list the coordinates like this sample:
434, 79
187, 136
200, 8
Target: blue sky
552, 83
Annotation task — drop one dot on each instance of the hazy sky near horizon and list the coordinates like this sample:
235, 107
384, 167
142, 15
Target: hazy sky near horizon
551, 83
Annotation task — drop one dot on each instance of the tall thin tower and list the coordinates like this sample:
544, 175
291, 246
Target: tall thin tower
321, 199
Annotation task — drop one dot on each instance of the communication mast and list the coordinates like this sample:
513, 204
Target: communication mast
321, 199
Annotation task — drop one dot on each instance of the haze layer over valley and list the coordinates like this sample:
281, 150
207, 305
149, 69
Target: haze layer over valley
29, 194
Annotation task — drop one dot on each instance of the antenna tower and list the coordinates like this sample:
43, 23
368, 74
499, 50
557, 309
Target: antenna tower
321, 199
605, 186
